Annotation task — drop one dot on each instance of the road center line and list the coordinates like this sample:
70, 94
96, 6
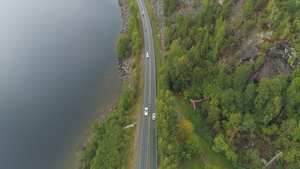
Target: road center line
148, 144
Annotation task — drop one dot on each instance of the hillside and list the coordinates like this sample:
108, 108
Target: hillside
241, 57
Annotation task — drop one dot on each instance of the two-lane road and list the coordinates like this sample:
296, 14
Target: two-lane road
148, 150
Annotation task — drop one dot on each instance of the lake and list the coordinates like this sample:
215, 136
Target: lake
58, 73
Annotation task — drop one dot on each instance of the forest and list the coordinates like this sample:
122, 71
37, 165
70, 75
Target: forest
248, 114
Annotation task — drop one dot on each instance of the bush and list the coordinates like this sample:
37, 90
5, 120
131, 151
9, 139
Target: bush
266, 46
192, 145
249, 24
123, 48
260, 61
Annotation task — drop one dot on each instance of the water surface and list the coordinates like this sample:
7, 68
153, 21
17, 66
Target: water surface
58, 72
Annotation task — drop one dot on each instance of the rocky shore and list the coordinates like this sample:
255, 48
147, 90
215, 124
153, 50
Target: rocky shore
124, 64
125, 15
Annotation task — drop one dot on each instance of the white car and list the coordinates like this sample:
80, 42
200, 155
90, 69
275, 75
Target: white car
146, 111
153, 116
147, 55
143, 13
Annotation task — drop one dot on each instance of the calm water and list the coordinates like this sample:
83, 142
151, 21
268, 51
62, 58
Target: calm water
58, 73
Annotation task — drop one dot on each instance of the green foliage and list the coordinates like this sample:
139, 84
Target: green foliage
210, 166
220, 31
245, 31
123, 48
249, 24
268, 101
104, 147
198, 52
290, 61
260, 61
168, 36
260, 3
248, 123
249, 96
222, 144
238, 23
192, 145
186, 128
293, 98
225, 13
166, 119
266, 46
170, 6
248, 9
283, 28
224, 79
296, 24
90, 151
231, 42
253, 158
95, 126
130, 44
240, 78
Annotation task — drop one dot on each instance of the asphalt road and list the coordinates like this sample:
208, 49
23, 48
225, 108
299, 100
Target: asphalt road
148, 150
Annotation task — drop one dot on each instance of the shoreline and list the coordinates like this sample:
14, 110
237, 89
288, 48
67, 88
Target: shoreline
128, 76
124, 64
123, 68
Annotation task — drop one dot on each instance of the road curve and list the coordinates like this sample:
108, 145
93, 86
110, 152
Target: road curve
147, 158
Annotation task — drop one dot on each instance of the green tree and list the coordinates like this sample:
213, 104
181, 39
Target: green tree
240, 78
123, 49
220, 31
224, 79
293, 98
248, 123
95, 125
228, 101
186, 128
184, 71
248, 9
192, 145
225, 13
249, 96
166, 130
222, 144
168, 37
253, 159
268, 102
170, 6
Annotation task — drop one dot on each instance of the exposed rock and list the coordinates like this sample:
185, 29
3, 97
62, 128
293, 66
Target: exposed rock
248, 54
125, 15
279, 61
190, 6
273, 68
160, 18
124, 64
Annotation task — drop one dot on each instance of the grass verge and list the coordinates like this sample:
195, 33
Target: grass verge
139, 102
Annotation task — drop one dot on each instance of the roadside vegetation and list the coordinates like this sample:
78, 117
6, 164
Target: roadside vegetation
245, 120
130, 44
108, 146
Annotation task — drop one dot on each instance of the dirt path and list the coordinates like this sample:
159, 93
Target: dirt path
203, 154
180, 115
